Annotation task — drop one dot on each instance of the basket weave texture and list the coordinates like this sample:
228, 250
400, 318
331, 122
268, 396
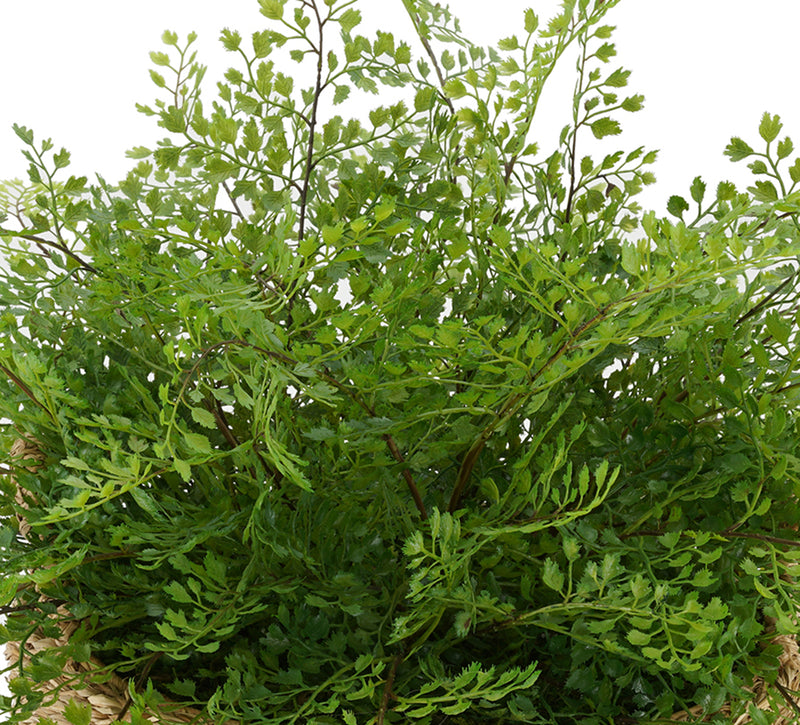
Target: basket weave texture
110, 699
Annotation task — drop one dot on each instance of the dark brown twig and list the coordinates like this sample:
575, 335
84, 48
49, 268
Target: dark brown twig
387, 688
54, 245
312, 125
24, 388
429, 50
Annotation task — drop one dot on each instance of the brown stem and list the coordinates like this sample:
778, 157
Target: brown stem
311, 129
395, 451
54, 245
387, 688
233, 201
412, 487
513, 403
25, 389
429, 50
763, 303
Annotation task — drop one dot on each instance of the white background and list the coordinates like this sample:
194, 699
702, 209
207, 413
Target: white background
708, 69
73, 69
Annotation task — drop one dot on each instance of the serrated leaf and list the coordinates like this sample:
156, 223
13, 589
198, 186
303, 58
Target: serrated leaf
618, 79
638, 638
764, 191
726, 191
785, 147
177, 591
698, 189
166, 631
552, 575
78, 713
197, 442
204, 417
230, 39
633, 103
737, 149
715, 610
603, 127
794, 171
778, 327
677, 205
349, 19
262, 44
159, 58
25, 134
272, 9
183, 469
455, 88
770, 127
531, 21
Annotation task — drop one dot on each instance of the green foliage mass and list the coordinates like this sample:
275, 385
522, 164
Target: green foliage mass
397, 418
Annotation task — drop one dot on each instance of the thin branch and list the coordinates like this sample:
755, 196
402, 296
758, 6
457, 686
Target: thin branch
311, 130
387, 688
429, 50
60, 247
786, 696
763, 303
412, 487
465, 472
233, 201
327, 377
25, 389
725, 534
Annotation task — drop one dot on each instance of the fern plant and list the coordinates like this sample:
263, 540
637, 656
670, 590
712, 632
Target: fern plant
398, 417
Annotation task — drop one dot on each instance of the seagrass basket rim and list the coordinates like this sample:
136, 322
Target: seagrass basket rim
110, 699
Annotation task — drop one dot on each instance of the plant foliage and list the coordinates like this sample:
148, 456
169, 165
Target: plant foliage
396, 418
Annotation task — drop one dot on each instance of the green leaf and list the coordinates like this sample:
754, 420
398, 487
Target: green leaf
455, 88
633, 104
331, 235
25, 134
197, 442
778, 327
785, 147
726, 191
618, 79
166, 631
794, 171
159, 58
770, 127
638, 638
531, 21
177, 592
698, 189
262, 44
204, 417
552, 575
764, 191
715, 610
677, 205
78, 714
272, 9
738, 149
605, 126
231, 39
349, 19
183, 468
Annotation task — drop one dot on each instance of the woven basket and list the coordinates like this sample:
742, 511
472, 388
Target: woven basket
110, 699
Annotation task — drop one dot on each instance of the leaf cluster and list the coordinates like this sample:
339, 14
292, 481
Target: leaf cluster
396, 418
